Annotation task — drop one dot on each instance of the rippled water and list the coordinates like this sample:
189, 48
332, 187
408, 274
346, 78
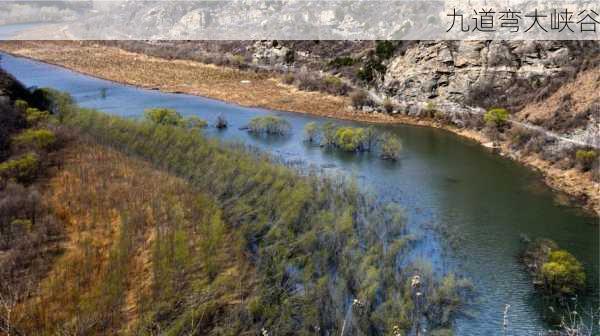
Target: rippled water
481, 202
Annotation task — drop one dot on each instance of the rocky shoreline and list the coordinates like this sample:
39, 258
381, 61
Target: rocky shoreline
268, 91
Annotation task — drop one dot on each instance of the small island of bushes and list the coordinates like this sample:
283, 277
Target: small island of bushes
556, 272
353, 139
269, 125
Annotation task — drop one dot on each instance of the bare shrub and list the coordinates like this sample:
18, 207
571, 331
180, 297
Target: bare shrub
360, 98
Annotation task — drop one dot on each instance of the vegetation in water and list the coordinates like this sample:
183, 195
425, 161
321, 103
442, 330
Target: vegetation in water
311, 132
350, 139
163, 116
353, 139
221, 122
390, 147
270, 125
556, 272
193, 122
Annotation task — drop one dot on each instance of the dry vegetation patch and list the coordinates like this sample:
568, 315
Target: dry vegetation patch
116, 209
570, 106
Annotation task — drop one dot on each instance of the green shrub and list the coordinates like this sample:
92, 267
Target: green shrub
370, 70
311, 131
563, 273
35, 116
430, 109
21, 105
332, 80
496, 117
237, 60
35, 138
390, 148
290, 56
271, 125
56, 102
586, 158
343, 61
23, 169
384, 49
328, 132
193, 122
350, 139
163, 116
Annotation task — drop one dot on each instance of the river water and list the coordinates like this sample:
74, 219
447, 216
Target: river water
469, 206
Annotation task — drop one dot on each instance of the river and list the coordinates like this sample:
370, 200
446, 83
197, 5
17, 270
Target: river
469, 206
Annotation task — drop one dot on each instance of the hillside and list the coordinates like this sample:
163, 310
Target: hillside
137, 227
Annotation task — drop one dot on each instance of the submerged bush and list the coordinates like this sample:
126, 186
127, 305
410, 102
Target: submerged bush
23, 169
390, 147
563, 273
270, 125
193, 122
221, 122
35, 139
163, 116
557, 272
311, 132
350, 139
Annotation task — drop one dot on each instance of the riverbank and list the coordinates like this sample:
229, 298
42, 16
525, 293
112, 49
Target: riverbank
262, 90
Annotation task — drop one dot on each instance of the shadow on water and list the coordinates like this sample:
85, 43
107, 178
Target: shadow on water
468, 206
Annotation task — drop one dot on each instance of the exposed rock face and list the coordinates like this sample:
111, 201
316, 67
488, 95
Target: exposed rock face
271, 53
474, 71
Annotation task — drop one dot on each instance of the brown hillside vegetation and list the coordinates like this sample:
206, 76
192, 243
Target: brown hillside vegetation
138, 241
570, 106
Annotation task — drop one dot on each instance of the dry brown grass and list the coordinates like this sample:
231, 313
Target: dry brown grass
583, 92
90, 194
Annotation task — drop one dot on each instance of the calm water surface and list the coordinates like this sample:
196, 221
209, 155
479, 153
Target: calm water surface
483, 202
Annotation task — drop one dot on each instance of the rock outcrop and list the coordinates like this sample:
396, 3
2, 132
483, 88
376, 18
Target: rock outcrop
485, 73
